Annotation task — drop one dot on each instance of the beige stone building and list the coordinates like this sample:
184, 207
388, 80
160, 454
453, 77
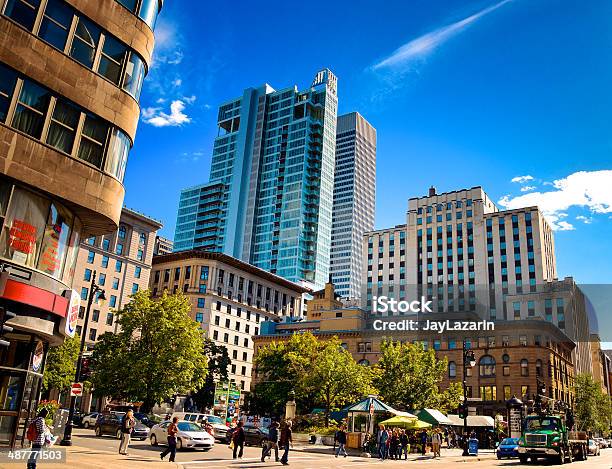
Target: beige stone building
162, 246
229, 298
70, 78
122, 263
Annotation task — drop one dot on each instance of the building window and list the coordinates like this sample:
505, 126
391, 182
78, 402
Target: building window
137, 271
119, 249
134, 288
92, 334
487, 366
452, 370
87, 275
122, 232
84, 293
31, 109
506, 370
507, 393
62, 128
102, 279
524, 367
140, 255
113, 301
215, 335
538, 367
104, 261
109, 319
200, 317
90, 257
202, 288
115, 283
524, 391
112, 59
95, 317
85, 41
204, 273
488, 393
523, 340
118, 266
202, 302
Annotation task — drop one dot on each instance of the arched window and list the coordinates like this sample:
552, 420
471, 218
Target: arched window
452, 370
538, 367
364, 362
524, 367
487, 366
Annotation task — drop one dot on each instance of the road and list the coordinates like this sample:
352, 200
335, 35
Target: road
220, 458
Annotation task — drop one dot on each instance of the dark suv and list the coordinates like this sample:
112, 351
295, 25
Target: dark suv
110, 424
254, 436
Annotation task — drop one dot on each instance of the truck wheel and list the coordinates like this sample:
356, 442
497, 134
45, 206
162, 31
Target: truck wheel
523, 459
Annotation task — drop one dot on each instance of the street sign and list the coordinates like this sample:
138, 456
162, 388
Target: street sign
76, 389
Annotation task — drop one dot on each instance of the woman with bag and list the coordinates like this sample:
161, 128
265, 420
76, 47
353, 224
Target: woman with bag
172, 431
37, 431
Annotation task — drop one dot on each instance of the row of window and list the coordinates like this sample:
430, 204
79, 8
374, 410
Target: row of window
58, 24
34, 110
146, 10
119, 245
449, 206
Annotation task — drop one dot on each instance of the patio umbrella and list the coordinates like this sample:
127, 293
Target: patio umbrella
400, 421
417, 425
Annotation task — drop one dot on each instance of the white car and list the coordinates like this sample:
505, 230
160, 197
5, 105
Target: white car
90, 420
190, 435
593, 448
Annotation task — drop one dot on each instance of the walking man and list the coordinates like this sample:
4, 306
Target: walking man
127, 427
272, 443
341, 439
405, 447
172, 431
286, 439
238, 437
436, 443
382, 442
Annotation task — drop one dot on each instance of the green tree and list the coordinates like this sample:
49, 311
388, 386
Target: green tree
409, 377
336, 378
61, 365
218, 366
158, 353
587, 392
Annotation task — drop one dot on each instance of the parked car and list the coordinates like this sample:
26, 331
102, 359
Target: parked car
77, 418
217, 423
148, 419
508, 448
110, 424
593, 448
190, 435
254, 436
89, 420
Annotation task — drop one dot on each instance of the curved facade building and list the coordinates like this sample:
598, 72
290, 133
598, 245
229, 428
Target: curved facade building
71, 72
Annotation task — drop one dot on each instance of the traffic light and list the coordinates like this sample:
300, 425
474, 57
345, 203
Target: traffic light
85, 369
5, 316
463, 410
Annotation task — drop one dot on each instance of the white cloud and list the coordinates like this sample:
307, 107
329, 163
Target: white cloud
189, 99
585, 220
522, 179
157, 118
160, 100
583, 189
177, 82
527, 188
427, 43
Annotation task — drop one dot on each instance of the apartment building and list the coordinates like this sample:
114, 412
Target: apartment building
229, 298
162, 246
121, 261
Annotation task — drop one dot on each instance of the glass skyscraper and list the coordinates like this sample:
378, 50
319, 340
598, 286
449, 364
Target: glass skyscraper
269, 198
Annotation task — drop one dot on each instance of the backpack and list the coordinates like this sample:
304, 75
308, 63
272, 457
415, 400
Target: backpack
32, 432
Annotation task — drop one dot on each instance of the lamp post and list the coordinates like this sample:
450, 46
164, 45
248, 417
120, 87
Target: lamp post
290, 406
95, 292
469, 360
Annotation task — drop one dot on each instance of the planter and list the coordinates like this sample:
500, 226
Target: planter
327, 440
300, 437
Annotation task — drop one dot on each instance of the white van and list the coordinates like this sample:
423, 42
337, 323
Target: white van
219, 427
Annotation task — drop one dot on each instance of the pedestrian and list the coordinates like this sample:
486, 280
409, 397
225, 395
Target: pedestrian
436, 443
36, 434
271, 443
172, 432
423, 442
340, 437
286, 440
393, 444
127, 427
382, 442
405, 446
238, 438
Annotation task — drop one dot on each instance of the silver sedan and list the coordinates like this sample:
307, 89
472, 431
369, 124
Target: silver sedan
190, 435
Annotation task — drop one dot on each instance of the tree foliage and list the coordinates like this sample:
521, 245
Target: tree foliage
593, 407
409, 377
158, 352
218, 366
321, 373
61, 364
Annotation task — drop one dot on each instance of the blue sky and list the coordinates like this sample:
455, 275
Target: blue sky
462, 93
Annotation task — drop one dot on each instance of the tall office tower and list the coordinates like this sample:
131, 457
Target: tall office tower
70, 80
354, 201
269, 198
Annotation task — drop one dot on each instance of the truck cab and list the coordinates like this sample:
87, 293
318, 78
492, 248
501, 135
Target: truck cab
546, 436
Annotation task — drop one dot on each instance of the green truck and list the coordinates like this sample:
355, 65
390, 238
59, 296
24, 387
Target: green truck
547, 437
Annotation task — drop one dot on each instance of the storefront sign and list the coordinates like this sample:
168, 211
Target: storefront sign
22, 236
72, 315
37, 358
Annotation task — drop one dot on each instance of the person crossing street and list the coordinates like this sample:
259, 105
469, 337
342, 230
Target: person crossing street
340, 437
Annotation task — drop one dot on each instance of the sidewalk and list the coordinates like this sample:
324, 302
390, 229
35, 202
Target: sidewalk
448, 455
82, 457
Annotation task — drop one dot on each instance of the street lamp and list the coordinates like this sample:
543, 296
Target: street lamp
469, 360
97, 293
